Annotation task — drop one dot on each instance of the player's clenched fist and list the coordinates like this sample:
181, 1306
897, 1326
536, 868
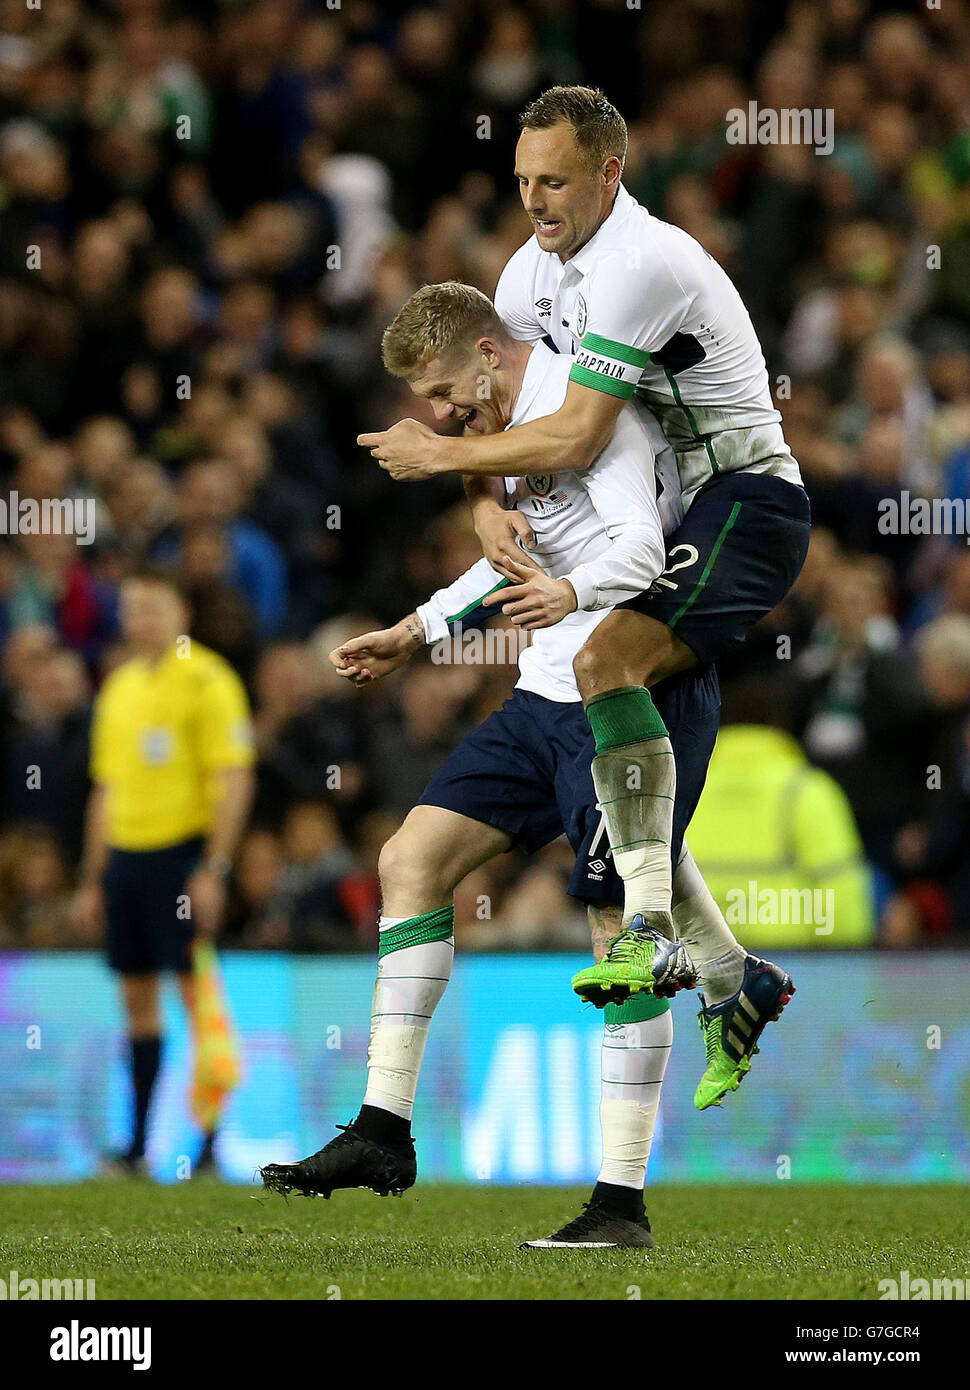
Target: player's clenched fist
408, 450
537, 600
375, 654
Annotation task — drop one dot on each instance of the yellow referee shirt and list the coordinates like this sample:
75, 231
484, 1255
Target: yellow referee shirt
161, 731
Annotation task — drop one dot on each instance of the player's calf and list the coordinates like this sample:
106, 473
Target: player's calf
635, 780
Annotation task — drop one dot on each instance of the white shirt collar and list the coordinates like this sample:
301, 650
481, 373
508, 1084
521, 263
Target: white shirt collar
532, 379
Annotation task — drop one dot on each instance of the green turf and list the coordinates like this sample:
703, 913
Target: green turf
206, 1240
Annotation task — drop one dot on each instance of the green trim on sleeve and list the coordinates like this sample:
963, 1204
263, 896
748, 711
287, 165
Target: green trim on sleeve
479, 602
624, 389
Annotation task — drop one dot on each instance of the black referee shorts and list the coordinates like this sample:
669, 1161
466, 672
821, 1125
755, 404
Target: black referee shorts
146, 930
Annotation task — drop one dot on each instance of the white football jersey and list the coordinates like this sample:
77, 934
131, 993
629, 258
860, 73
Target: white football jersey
646, 314
600, 528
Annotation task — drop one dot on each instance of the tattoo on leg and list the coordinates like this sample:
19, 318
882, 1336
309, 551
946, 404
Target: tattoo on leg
605, 922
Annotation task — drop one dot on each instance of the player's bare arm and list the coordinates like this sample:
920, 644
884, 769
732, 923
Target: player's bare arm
564, 442
373, 655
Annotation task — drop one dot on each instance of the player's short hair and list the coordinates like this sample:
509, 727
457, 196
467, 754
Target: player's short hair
599, 128
435, 322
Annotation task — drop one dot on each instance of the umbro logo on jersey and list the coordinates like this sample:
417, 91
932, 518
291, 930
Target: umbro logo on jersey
597, 865
545, 307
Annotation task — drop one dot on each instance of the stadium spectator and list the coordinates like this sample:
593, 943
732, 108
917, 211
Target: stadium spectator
251, 919
35, 899
317, 898
45, 754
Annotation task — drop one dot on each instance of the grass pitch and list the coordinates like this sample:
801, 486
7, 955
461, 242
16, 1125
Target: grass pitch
203, 1240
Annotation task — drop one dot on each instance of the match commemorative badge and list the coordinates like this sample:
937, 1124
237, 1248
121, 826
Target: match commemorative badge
581, 313
540, 484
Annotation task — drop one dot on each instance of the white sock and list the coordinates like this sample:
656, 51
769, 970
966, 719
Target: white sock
634, 1061
716, 953
410, 984
635, 788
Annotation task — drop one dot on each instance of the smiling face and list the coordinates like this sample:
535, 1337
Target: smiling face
465, 390
566, 197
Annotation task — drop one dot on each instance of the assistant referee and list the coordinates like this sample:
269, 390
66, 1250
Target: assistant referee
171, 763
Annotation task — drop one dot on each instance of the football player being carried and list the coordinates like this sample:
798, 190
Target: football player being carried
523, 778
648, 321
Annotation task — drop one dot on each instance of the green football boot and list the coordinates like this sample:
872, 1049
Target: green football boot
732, 1029
639, 959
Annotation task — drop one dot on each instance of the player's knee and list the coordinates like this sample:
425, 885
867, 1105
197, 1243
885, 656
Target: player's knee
396, 860
611, 659
586, 668
597, 668
403, 865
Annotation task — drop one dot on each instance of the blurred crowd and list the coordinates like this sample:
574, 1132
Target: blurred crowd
208, 214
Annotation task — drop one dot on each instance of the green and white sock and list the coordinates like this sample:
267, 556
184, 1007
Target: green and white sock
635, 781
636, 1045
718, 956
414, 968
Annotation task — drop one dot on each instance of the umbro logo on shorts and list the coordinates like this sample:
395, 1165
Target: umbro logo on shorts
597, 865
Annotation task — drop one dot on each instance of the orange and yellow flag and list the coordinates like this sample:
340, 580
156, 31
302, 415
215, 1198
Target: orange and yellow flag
218, 1063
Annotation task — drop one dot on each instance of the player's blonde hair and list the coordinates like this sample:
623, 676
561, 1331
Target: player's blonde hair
435, 322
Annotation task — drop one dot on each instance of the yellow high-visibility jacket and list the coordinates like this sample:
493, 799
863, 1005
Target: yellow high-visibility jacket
776, 840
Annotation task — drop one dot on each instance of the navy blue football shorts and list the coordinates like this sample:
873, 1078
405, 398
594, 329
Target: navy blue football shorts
146, 932
526, 771
732, 560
